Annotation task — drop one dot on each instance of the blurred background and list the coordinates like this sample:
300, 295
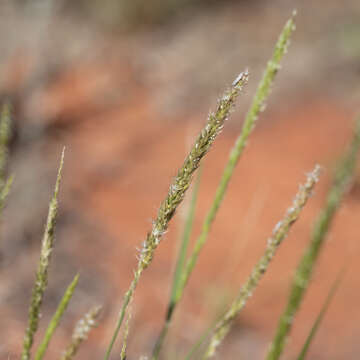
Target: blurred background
125, 85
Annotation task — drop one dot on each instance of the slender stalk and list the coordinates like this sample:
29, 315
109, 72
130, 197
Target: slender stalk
54, 322
256, 107
126, 335
81, 332
203, 338
178, 269
178, 189
321, 315
279, 233
342, 178
42, 271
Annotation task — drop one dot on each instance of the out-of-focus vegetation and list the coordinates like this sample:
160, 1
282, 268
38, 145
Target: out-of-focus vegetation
134, 14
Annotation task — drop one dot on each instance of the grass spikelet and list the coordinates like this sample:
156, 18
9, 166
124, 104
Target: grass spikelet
81, 332
54, 322
179, 267
321, 315
256, 107
258, 104
342, 178
42, 271
178, 189
279, 233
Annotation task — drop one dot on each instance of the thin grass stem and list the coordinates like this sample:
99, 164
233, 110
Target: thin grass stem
179, 267
317, 323
177, 191
256, 107
343, 176
54, 322
42, 271
279, 233
126, 335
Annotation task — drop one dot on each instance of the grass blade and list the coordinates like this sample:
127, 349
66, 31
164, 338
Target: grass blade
54, 322
256, 107
279, 233
321, 315
81, 332
179, 267
342, 178
178, 189
42, 271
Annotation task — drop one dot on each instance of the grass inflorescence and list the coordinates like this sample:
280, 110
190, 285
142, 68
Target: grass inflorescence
43, 267
258, 104
342, 178
178, 189
280, 231
81, 332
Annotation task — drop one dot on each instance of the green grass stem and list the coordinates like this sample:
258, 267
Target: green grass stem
256, 107
125, 336
178, 189
321, 315
42, 271
343, 176
280, 231
179, 267
54, 322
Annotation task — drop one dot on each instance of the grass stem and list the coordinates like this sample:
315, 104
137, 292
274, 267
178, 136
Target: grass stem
342, 178
178, 189
280, 231
54, 322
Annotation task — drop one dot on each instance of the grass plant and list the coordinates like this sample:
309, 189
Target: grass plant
43, 267
333, 290
280, 231
178, 189
185, 263
342, 178
81, 332
258, 105
54, 322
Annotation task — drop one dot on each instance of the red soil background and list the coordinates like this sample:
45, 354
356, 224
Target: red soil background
127, 107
